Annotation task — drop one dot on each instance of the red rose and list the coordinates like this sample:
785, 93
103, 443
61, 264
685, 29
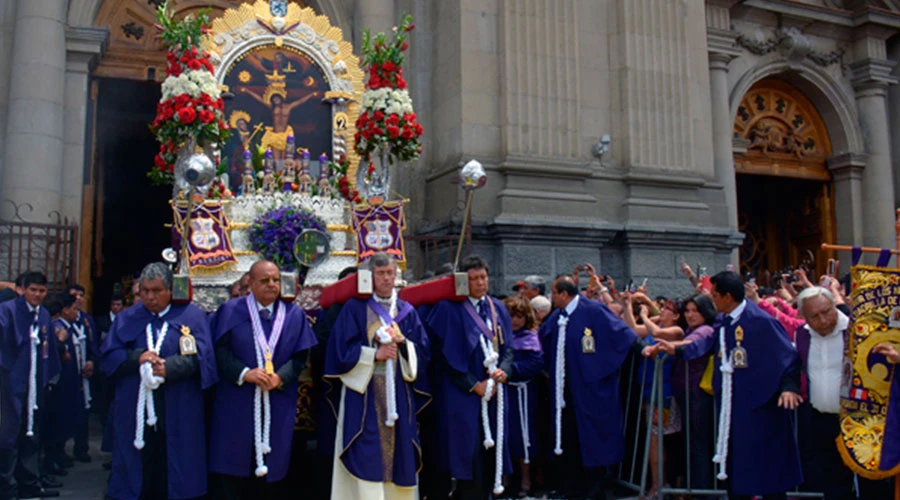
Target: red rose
207, 116
389, 66
174, 70
171, 168
194, 64
410, 27
365, 116
187, 115
418, 129
356, 138
393, 119
407, 133
404, 46
158, 161
393, 131
379, 115
379, 131
182, 101
208, 65
374, 82
371, 169
205, 100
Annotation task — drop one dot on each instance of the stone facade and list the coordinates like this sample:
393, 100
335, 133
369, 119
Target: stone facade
529, 87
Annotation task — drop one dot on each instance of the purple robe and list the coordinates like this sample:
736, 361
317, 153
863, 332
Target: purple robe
65, 401
459, 412
592, 379
185, 427
762, 450
15, 365
366, 446
528, 361
231, 448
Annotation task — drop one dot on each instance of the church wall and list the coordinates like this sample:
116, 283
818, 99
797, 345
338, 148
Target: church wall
7, 31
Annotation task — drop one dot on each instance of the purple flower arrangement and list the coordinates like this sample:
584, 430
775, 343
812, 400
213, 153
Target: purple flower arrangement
272, 234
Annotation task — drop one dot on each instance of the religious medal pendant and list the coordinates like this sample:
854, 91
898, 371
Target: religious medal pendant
588, 344
270, 367
45, 350
739, 354
187, 344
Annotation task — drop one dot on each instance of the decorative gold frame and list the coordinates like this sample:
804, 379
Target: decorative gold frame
252, 25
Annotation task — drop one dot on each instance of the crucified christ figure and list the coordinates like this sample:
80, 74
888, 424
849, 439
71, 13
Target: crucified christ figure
276, 135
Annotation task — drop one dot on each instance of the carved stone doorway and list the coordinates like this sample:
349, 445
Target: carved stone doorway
785, 192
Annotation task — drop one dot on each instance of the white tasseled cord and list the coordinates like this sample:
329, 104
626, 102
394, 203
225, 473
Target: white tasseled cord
490, 362
80, 341
727, 369
262, 420
522, 392
34, 341
390, 377
149, 383
560, 379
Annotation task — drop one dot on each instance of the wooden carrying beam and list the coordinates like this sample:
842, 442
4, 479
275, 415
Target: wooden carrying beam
453, 287
358, 285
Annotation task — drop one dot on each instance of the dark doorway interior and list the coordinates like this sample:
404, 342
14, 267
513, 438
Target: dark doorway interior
785, 220
133, 212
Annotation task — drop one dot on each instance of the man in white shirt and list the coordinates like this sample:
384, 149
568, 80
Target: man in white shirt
820, 343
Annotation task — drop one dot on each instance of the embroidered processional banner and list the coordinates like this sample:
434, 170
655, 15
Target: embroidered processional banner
869, 419
209, 246
379, 228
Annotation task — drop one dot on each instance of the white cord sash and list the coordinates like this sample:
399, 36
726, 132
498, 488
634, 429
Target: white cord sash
727, 369
262, 406
149, 383
81, 352
34, 340
491, 357
390, 365
560, 401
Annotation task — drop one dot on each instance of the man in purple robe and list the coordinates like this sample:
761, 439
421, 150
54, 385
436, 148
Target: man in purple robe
469, 332
84, 327
757, 449
160, 357
67, 406
28, 360
584, 345
261, 348
376, 357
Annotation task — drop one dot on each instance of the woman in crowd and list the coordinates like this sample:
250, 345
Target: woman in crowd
669, 328
697, 404
527, 363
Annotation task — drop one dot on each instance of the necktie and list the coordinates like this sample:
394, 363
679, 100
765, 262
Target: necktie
564, 313
482, 310
265, 314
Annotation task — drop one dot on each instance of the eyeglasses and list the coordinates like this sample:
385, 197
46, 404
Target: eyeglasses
266, 281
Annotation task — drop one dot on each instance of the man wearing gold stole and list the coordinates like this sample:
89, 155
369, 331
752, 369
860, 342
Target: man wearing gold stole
376, 358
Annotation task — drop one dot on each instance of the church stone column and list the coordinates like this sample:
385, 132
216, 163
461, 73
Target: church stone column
35, 124
871, 78
376, 16
7, 31
84, 47
721, 52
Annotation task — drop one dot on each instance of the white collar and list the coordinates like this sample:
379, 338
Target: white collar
68, 325
112, 316
32, 309
475, 301
161, 313
270, 307
572, 305
383, 300
842, 323
735, 313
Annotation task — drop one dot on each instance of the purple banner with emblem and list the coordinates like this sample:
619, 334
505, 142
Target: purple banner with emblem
379, 228
209, 246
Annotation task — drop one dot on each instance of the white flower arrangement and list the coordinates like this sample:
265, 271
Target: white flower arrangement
191, 82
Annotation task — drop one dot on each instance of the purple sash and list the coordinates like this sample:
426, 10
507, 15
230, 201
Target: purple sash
403, 308
467, 305
526, 340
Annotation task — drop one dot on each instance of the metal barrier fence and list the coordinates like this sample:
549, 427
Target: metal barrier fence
635, 477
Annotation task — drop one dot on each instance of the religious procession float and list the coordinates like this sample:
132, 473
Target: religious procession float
279, 142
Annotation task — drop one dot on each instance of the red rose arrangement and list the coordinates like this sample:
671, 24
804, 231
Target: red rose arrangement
191, 106
340, 183
387, 120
